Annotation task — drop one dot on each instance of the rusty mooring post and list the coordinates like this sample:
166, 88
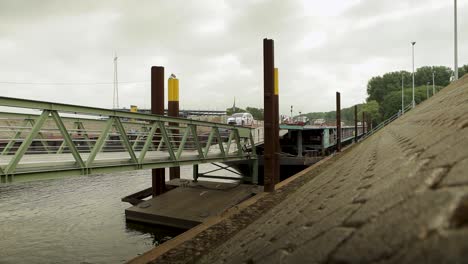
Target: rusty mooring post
157, 108
173, 110
276, 127
270, 125
355, 124
338, 122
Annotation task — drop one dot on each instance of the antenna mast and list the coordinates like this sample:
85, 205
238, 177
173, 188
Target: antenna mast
115, 99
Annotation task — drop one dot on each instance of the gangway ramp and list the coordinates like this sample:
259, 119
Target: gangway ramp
44, 139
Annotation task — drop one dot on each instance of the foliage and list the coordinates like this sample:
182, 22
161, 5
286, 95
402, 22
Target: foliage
392, 101
257, 113
462, 70
231, 111
384, 92
372, 110
378, 87
347, 115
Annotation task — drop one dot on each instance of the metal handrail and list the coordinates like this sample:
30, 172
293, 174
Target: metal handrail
53, 143
387, 121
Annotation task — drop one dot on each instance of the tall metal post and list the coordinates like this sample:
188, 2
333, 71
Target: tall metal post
363, 122
291, 114
427, 90
412, 44
338, 122
157, 107
402, 94
173, 110
355, 124
433, 83
276, 130
115, 103
269, 116
456, 41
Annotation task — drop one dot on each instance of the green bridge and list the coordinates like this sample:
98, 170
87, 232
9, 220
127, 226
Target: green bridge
41, 140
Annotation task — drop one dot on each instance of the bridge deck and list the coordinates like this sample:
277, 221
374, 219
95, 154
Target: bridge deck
95, 140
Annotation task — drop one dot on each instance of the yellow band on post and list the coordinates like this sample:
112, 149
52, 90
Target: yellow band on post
173, 93
276, 82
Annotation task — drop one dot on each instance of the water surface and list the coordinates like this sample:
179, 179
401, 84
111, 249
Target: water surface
76, 219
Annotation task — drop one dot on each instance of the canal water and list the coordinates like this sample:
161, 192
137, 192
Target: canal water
77, 219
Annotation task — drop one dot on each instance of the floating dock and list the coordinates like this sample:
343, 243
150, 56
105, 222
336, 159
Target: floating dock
190, 203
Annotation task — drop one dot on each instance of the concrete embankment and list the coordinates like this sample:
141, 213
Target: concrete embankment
400, 196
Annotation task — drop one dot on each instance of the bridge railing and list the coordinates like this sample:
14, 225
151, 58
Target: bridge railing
69, 139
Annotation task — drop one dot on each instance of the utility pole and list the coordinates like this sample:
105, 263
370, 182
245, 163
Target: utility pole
412, 44
338, 122
291, 113
402, 94
427, 90
456, 41
115, 99
433, 83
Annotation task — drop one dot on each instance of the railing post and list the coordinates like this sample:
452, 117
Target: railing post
173, 110
270, 112
355, 124
338, 122
157, 107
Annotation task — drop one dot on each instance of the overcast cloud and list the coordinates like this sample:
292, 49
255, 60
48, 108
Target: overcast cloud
215, 48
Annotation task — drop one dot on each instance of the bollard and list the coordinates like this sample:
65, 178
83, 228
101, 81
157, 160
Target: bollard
157, 107
338, 122
269, 116
173, 110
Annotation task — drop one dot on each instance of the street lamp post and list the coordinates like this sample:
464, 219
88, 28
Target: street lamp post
456, 40
412, 44
291, 113
427, 90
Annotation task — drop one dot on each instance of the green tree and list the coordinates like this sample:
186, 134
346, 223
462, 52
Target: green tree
372, 110
442, 75
379, 86
231, 111
257, 113
347, 115
462, 70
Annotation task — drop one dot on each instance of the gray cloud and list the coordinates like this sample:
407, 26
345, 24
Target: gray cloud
215, 48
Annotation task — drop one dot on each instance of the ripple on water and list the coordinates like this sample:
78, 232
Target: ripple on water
75, 220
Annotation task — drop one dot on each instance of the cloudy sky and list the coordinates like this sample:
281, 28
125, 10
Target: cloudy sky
62, 51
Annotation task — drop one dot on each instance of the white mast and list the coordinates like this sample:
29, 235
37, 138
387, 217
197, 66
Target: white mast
115, 102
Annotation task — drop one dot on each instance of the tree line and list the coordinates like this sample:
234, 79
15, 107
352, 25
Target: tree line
384, 92
257, 113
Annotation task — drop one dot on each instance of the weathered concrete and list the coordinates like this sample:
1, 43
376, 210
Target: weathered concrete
400, 196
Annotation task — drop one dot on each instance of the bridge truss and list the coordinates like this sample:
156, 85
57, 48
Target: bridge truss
43, 139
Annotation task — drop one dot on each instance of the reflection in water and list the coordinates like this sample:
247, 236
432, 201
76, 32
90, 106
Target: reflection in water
76, 220
159, 234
